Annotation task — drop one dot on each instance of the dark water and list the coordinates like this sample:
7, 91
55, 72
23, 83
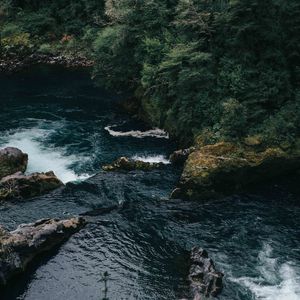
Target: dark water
134, 232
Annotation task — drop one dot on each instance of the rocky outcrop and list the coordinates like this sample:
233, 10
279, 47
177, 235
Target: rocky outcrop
12, 160
19, 247
126, 164
14, 184
180, 156
203, 277
220, 169
20, 186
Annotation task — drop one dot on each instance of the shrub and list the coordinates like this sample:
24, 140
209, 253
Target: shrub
233, 119
17, 43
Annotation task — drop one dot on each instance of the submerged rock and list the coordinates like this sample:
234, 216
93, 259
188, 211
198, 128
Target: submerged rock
20, 186
220, 169
12, 160
203, 276
19, 247
180, 156
126, 164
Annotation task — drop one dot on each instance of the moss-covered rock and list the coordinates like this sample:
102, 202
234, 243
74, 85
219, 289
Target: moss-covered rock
126, 164
12, 160
223, 168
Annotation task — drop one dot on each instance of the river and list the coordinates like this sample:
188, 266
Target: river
135, 233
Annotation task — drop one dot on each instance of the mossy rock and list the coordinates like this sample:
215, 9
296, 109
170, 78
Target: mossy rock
223, 168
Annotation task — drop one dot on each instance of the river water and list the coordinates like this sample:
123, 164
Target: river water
134, 232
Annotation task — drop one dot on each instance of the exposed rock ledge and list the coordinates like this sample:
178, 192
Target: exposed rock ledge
19, 247
20, 186
126, 164
223, 168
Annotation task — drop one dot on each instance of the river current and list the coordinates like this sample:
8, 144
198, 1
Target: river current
134, 232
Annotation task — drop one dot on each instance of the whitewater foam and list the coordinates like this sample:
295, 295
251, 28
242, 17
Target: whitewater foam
152, 158
42, 159
155, 132
275, 281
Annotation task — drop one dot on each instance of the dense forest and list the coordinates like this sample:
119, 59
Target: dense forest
222, 69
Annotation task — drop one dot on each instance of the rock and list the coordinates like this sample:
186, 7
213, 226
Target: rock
223, 168
12, 160
19, 247
126, 164
180, 156
203, 276
20, 186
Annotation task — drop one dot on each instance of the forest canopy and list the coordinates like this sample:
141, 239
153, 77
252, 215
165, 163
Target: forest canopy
220, 68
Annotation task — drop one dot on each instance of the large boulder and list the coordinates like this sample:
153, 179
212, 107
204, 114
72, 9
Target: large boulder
19, 247
203, 277
20, 186
126, 164
12, 160
223, 168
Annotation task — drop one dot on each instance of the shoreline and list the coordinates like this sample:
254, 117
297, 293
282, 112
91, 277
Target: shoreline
14, 64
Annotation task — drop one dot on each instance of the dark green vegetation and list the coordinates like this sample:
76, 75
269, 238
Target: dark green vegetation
220, 69
49, 27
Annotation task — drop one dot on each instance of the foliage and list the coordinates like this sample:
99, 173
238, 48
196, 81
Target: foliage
37, 24
9, 30
223, 65
233, 119
46, 49
12, 39
227, 67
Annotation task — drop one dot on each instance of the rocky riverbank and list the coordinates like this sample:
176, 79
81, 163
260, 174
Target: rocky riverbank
11, 64
19, 247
